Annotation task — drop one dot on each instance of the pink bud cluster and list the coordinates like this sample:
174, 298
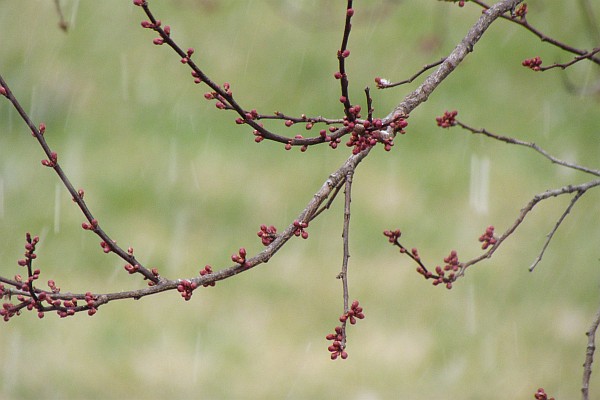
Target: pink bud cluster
221, 103
52, 161
393, 236
89, 226
337, 348
207, 271
30, 243
185, 60
3, 91
355, 311
488, 238
452, 266
299, 229
154, 273
186, 287
533, 64
521, 11
249, 116
132, 269
447, 120
267, 234
240, 257
80, 194
333, 143
106, 247
541, 395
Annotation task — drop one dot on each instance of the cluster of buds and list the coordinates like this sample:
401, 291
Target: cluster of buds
90, 302
382, 83
337, 348
30, 243
53, 287
533, 64
155, 274
299, 229
186, 288
89, 226
333, 143
267, 234
248, 116
398, 124
447, 120
3, 91
541, 395
52, 161
488, 238
106, 247
521, 11
355, 311
27, 285
392, 236
361, 139
132, 269
221, 103
207, 270
9, 310
185, 60
240, 257
452, 265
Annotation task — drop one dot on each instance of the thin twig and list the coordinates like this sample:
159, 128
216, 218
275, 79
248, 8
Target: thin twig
343, 53
62, 22
346, 230
575, 60
531, 145
553, 231
384, 84
589, 356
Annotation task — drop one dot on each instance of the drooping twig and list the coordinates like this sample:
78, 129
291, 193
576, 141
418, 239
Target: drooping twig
62, 22
531, 145
553, 231
343, 275
589, 356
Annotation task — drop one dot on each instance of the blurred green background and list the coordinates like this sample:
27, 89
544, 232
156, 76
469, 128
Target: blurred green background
166, 172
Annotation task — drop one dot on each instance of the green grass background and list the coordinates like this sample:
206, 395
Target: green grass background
166, 172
